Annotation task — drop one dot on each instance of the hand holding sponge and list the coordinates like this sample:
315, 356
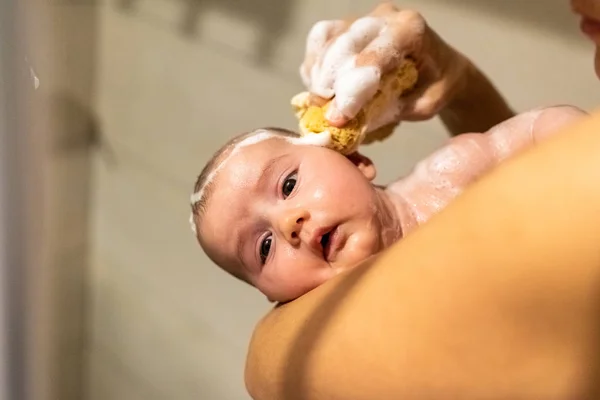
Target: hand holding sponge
347, 139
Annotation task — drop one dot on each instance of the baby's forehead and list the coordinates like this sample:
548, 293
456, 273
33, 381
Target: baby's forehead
240, 170
247, 161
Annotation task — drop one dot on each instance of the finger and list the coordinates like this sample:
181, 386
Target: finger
407, 29
341, 54
424, 102
398, 38
352, 90
380, 53
433, 89
316, 101
354, 87
317, 39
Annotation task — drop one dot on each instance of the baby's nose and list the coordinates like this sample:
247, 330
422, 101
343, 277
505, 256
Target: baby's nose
291, 225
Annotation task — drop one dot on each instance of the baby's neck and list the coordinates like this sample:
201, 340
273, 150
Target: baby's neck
395, 217
403, 216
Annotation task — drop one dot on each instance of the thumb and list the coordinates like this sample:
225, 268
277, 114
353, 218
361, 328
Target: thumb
425, 102
334, 116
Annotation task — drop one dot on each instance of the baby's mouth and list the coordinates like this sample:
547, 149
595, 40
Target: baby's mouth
325, 240
329, 243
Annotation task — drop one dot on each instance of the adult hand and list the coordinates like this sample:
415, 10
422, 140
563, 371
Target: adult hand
345, 60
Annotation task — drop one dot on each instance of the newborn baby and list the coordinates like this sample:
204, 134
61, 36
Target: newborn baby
285, 216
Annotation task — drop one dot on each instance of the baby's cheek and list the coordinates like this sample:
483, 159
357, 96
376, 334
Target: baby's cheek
360, 245
293, 274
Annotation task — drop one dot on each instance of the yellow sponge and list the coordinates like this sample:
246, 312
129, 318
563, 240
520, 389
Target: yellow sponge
347, 139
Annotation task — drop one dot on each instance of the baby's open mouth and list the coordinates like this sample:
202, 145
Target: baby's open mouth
325, 240
328, 241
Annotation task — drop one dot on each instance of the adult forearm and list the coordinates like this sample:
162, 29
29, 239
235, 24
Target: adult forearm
476, 106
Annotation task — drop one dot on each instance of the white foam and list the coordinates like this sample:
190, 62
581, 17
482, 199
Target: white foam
383, 43
317, 36
193, 224
338, 75
322, 139
315, 45
340, 56
320, 33
354, 88
366, 29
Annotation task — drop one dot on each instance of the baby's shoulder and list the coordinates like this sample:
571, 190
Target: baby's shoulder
459, 159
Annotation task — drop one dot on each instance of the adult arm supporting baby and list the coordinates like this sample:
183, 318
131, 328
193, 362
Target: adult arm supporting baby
480, 302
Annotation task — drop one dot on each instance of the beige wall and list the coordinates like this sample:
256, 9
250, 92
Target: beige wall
61, 40
173, 81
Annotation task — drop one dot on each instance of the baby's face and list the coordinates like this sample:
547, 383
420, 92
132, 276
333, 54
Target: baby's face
288, 217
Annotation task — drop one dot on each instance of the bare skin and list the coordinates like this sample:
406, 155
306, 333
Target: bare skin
473, 305
285, 230
441, 177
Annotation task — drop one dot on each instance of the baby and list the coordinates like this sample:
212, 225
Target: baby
286, 216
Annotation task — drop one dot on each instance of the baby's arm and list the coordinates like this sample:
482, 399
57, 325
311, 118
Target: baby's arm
526, 129
443, 175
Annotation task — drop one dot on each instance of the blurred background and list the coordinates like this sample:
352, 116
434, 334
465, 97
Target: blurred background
107, 296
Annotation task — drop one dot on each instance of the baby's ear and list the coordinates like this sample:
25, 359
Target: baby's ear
364, 164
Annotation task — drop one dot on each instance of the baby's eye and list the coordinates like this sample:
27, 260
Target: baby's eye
289, 184
265, 247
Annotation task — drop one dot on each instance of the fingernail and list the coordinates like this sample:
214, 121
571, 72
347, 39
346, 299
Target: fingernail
334, 116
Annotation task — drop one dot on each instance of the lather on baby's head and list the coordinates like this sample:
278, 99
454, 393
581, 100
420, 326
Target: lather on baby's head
285, 216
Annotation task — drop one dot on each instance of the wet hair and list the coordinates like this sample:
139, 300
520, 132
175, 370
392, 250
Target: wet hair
206, 186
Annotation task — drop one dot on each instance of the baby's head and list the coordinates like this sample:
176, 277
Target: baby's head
285, 216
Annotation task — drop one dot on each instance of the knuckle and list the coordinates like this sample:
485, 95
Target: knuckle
411, 16
325, 29
317, 36
319, 26
427, 108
